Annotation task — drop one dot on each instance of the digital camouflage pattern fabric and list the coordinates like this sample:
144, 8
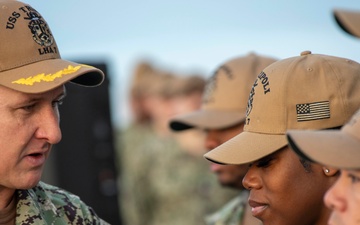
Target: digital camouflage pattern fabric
232, 213
162, 184
45, 204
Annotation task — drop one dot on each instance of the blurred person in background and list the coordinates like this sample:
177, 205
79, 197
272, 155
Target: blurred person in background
221, 117
139, 89
161, 179
189, 97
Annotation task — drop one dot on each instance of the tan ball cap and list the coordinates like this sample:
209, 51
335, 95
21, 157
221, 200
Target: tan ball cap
348, 20
310, 91
226, 93
30, 61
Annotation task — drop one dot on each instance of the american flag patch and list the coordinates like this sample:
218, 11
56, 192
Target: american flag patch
313, 111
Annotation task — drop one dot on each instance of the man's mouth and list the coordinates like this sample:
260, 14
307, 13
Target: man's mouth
36, 159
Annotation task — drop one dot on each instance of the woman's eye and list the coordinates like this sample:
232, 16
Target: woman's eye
354, 179
264, 162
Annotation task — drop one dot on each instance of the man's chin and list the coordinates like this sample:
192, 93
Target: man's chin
28, 183
27, 186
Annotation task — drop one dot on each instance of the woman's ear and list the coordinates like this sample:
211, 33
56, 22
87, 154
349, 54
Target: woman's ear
330, 171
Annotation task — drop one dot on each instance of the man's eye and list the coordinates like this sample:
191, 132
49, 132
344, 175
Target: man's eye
28, 107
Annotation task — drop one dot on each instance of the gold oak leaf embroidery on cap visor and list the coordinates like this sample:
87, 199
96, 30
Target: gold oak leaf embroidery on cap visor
49, 77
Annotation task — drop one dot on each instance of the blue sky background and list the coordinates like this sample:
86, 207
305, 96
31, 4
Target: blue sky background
191, 35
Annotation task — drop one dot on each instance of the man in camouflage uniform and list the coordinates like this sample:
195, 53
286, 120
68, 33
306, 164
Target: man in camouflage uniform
46, 204
32, 78
222, 117
163, 182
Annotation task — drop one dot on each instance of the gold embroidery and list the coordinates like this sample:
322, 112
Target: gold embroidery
48, 77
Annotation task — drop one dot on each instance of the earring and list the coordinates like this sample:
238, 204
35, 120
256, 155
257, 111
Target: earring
327, 170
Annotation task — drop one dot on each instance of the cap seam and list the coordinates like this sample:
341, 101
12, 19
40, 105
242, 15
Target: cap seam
339, 88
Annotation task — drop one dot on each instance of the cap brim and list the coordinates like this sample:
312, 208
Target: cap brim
330, 147
206, 119
349, 21
246, 147
46, 75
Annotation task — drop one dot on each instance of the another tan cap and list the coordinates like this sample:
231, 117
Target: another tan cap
337, 148
348, 20
310, 91
29, 57
226, 93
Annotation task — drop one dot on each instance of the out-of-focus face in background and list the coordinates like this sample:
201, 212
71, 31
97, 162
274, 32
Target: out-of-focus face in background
228, 175
344, 199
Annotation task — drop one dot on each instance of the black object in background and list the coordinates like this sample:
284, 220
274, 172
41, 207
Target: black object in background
83, 162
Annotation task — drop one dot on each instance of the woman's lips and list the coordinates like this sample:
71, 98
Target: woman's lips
257, 208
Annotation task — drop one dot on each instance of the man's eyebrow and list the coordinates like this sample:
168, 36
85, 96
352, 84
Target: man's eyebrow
38, 97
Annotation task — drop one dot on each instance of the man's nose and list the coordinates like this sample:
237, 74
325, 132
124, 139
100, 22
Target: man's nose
49, 127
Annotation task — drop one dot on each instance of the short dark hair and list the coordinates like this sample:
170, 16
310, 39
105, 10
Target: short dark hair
306, 164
